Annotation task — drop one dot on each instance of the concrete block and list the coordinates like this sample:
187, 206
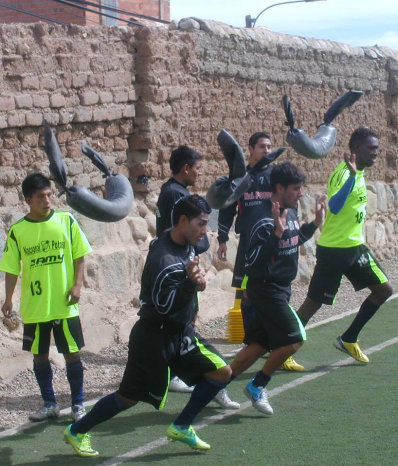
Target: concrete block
16, 120
7, 103
30, 82
371, 206
89, 98
114, 272
105, 97
139, 229
48, 83
57, 100
95, 231
23, 101
41, 100
34, 119
79, 80
82, 114
128, 111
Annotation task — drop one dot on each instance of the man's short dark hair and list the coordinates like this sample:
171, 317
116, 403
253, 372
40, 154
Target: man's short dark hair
360, 135
183, 155
256, 136
33, 183
190, 206
286, 173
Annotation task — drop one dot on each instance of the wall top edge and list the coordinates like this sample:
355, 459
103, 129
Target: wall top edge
265, 35
259, 34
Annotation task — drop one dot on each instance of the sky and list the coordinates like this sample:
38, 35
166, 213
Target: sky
354, 22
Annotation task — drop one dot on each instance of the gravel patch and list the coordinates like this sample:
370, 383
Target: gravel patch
103, 373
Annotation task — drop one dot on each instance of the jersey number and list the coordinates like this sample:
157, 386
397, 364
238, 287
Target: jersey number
35, 288
359, 217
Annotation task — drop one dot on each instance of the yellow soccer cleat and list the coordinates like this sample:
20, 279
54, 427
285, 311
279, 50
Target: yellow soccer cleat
291, 365
187, 436
79, 442
352, 349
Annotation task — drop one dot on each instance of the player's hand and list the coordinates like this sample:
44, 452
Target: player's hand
73, 295
351, 162
195, 275
222, 251
7, 308
279, 219
320, 210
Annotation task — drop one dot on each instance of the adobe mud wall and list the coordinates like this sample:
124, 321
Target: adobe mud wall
134, 94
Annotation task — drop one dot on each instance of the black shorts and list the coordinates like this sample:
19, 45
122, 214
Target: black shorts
357, 263
68, 336
154, 353
275, 323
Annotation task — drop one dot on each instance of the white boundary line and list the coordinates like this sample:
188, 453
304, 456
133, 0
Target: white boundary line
27, 425
275, 391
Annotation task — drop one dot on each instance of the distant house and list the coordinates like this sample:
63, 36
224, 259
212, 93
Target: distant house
84, 12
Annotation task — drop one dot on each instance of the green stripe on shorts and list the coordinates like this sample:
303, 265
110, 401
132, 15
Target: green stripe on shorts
214, 358
163, 402
376, 270
35, 345
73, 348
302, 329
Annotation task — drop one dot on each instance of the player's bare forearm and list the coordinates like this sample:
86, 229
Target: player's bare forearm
74, 293
10, 283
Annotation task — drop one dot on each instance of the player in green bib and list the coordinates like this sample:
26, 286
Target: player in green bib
47, 248
341, 249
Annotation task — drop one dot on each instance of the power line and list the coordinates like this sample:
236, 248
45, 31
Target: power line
64, 2
20, 10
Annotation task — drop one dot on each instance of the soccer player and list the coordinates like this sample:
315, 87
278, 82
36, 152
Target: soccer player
185, 165
341, 249
271, 266
47, 247
164, 339
248, 208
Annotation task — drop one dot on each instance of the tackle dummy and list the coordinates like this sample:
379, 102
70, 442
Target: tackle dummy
323, 142
119, 195
228, 189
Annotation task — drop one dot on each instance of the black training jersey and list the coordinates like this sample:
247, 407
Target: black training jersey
252, 201
270, 258
167, 295
170, 193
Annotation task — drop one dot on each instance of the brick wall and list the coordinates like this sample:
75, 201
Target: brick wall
45, 8
67, 14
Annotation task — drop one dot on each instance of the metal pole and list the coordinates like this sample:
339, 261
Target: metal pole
250, 22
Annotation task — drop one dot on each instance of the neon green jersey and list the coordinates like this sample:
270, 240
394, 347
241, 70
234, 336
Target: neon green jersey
44, 252
345, 229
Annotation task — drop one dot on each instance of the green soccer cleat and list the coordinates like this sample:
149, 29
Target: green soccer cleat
352, 349
187, 436
291, 365
79, 442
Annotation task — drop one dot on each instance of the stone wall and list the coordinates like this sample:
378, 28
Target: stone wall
134, 94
